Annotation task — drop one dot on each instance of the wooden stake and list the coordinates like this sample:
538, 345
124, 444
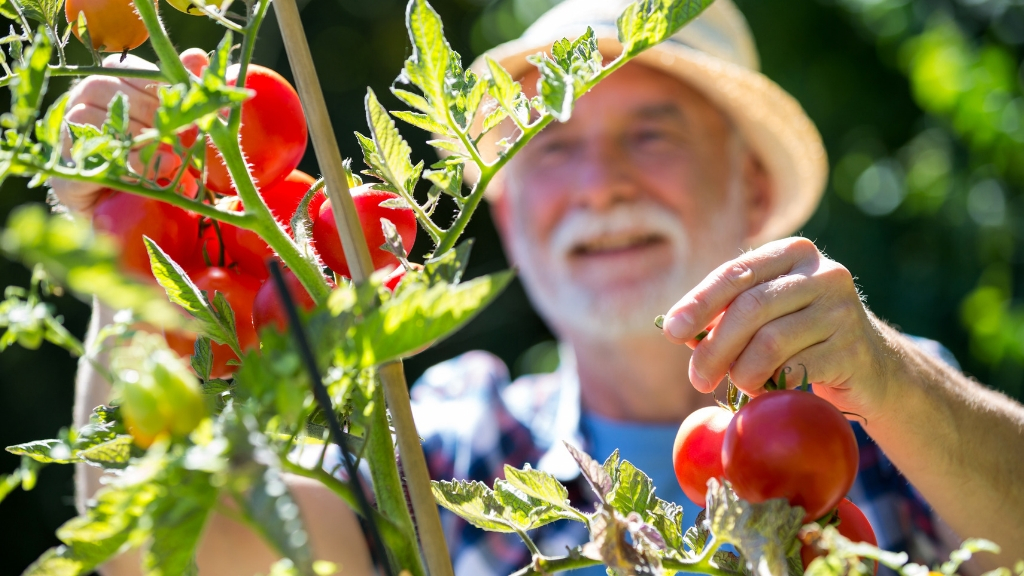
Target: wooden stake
357, 253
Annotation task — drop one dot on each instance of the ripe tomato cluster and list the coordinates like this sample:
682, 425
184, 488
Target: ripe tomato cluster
225, 259
782, 444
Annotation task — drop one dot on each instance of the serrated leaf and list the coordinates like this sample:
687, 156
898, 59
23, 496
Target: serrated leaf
270, 503
111, 454
632, 491
384, 334
621, 544
501, 85
667, 518
538, 484
177, 525
48, 129
44, 11
450, 266
594, 473
647, 22
448, 145
393, 159
202, 358
7, 10
448, 180
215, 321
763, 533
472, 501
28, 84
415, 100
431, 57
117, 122
522, 510
555, 87
423, 122
494, 118
392, 241
52, 451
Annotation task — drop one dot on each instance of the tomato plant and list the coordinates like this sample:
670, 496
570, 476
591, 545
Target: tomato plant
697, 452
791, 444
272, 135
368, 205
341, 370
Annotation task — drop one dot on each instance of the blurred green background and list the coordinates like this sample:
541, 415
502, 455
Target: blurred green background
920, 105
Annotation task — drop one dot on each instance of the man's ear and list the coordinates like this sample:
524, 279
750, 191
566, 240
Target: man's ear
759, 194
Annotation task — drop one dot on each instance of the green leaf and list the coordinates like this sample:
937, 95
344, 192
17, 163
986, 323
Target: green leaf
667, 519
507, 92
625, 545
202, 358
632, 491
431, 57
540, 485
270, 504
557, 88
472, 501
524, 511
44, 11
110, 454
763, 533
7, 10
423, 122
419, 316
450, 266
45, 451
647, 22
117, 122
48, 129
177, 525
415, 100
29, 83
447, 180
392, 160
215, 321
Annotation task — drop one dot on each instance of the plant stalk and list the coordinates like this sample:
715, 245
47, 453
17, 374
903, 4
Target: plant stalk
357, 253
263, 222
170, 63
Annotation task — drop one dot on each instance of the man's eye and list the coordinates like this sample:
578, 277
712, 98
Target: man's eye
651, 136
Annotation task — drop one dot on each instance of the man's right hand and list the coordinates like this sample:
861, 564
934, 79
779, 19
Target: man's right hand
88, 103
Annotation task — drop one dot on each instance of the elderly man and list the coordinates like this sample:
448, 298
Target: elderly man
645, 202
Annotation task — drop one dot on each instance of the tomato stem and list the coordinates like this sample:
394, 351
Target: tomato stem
170, 63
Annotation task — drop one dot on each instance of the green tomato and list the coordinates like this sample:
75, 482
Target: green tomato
162, 398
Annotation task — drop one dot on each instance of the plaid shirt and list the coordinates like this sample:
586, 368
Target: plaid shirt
474, 419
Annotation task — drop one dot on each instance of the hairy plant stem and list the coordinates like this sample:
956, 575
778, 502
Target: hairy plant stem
489, 171
544, 565
242, 220
396, 540
252, 27
170, 63
387, 483
263, 222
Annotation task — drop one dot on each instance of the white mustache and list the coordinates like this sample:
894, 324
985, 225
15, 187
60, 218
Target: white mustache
583, 226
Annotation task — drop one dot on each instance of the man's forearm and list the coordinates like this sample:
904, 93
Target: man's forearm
91, 390
960, 444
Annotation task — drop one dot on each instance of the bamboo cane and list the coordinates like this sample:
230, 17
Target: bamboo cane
357, 253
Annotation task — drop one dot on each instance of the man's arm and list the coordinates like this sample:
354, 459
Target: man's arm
787, 305
227, 548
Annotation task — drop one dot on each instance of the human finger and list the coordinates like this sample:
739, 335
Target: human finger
775, 344
743, 319
691, 314
99, 91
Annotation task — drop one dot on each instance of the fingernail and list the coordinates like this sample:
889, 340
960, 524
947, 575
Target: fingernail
699, 382
678, 326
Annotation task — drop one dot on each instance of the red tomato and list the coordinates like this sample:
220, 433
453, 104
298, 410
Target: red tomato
267, 309
245, 246
240, 291
852, 524
697, 452
114, 25
791, 444
129, 217
328, 244
273, 133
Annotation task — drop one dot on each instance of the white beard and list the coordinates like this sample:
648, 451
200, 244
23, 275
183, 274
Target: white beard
575, 309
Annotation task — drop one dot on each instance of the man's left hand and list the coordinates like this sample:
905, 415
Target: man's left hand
785, 306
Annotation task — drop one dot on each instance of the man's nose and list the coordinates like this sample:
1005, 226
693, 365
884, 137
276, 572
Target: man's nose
605, 176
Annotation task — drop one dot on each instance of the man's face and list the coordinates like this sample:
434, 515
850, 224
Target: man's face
616, 214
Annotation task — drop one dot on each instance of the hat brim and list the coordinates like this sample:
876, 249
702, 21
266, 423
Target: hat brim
772, 122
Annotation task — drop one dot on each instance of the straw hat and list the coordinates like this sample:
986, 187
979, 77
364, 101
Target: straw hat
715, 54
